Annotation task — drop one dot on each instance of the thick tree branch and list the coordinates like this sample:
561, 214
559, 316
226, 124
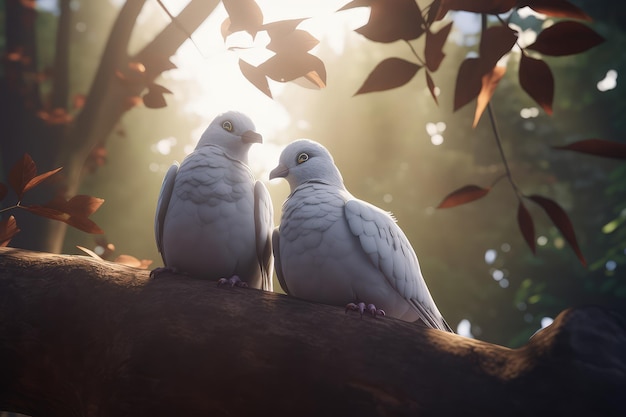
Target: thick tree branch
81, 337
109, 96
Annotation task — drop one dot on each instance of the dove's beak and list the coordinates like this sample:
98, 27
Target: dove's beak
280, 171
250, 136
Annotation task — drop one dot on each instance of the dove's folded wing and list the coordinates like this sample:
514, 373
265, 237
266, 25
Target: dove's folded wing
277, 265
163, 202
390, 251
264, 226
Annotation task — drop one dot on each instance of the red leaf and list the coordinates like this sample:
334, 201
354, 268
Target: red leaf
73, 212
468, 81
40, 178
431, 86
154, 98
244, 15
526, 226
566, 38
256, 77
495, 42
536, 79
479, 6
132, 261
434, 12
598, 147
83, 205
281, 27
3, 191
8, 229
294, 42
81, 223
490, 83
388, 74
557, 8
433, 49
48, 212
21, 173
84, 224
561, 221
390, 20
463, 195
288, 67
158, 64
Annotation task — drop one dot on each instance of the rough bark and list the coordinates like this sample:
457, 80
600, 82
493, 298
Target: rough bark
82, 337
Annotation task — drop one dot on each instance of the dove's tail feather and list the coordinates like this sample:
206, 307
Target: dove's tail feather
430, 319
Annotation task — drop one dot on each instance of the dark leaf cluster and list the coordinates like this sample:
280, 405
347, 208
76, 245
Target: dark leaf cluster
75, 212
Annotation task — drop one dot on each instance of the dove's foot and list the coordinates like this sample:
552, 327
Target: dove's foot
362, 308
233, 281
158, 271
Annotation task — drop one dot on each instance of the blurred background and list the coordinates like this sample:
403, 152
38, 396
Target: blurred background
397, 149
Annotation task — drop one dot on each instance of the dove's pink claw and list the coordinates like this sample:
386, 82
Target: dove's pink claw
362, 307
232, 281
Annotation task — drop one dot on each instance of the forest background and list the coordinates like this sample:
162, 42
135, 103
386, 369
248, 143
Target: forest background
397, 149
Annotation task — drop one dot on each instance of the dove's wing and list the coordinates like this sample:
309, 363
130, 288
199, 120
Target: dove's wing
164, 200
391, 252
277, 264
264, 225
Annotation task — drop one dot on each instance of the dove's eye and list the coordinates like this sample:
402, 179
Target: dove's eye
303, 157
228, 125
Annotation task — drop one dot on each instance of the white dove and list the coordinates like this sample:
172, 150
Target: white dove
213, 220
333, 248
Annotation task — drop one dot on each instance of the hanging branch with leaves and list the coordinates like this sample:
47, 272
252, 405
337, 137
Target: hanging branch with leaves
75, 211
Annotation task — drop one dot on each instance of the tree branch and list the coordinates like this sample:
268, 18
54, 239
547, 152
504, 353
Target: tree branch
84, 337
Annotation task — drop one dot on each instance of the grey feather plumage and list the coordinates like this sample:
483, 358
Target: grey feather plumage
333, 248
213, 219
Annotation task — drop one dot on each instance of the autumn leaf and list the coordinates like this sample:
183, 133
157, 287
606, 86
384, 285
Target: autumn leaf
495, 42
154, 98
78, 101
21, 173
3, 191
468, 81
293, 42
40, 178
434, 12
565, 38
255, 76
282, 27
390, 20
490, 82
598, 147
536, 79
431, 87
244, 15
526, 226
433, 50
159, 64
8, 229
463, 195
129, 260
83, 205
562, 222
288, 67
90, 253
556, 8
388, 74
74, 212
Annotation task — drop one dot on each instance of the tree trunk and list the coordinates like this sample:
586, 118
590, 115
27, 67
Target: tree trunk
69, 146
83, 337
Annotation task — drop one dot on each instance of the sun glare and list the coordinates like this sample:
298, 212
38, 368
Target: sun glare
213, 65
